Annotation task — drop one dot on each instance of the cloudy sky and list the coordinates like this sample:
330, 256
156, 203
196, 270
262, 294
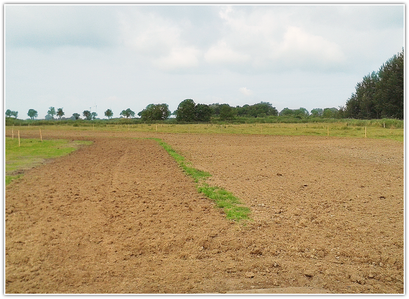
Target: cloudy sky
81, 57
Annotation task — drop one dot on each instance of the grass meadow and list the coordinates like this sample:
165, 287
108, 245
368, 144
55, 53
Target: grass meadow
358, 129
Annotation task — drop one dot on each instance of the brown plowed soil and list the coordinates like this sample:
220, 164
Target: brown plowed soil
119, 216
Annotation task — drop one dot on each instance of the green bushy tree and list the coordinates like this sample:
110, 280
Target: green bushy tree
32, 113
154, 112
109, 113
127, 113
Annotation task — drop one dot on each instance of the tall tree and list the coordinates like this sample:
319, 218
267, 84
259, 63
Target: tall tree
127, 113
186, 111
8, 113
32, 113
203, 113
380, 94
60, 113
51, 112
109, 113
226, 112
87, 114
94, 115
76, 116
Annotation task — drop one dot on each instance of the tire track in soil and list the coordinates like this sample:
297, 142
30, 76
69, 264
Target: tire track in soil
118, 217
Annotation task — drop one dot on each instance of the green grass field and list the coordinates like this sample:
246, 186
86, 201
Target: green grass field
33, 152
355, 129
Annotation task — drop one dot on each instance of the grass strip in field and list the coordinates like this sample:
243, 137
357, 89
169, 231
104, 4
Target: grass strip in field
33, 152
224, 199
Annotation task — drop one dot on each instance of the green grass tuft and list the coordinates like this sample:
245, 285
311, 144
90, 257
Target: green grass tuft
223, 198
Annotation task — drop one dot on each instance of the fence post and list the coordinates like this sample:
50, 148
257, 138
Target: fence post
41, 136
365, 132
18, 134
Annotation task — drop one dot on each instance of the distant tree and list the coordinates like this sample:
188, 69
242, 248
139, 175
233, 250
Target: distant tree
341, 112
202, 112
154, 112
287, 112
298, 113
243, 111
87, 114
32, 113
94, 115
8, 113
302, 112
109, 113
14, 113
330, 113
226, 112
60, 113
51, 112
186, 111
317, 112
261, 109
127, 113
215, 109
76, 116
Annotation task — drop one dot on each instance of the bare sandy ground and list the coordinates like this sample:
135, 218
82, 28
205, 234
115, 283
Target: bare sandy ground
120, 217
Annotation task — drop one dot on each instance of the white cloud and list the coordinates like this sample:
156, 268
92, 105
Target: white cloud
148, 33
301, 49
266, 39
159, 39
222, 53
178, 58
245, 91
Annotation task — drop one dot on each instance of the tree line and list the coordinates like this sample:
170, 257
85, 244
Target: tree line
189, 111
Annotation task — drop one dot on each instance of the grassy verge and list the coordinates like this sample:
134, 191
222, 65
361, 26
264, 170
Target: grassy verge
33, 152
231, 205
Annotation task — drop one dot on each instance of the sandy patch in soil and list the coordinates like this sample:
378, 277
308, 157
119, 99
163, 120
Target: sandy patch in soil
120, 217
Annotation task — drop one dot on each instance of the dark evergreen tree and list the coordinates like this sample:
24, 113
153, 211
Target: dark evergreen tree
379, 95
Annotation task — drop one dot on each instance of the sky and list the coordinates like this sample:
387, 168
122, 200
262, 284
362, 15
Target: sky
98, 57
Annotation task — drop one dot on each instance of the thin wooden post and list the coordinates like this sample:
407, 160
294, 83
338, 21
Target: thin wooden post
156, 127
365, 132
328, 131
18, 134
41, 136
12, 133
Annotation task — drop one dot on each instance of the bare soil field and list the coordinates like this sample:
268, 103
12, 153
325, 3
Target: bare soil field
119, 216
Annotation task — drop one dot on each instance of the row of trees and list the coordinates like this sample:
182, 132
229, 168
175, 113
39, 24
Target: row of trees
189, 111
380, 94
